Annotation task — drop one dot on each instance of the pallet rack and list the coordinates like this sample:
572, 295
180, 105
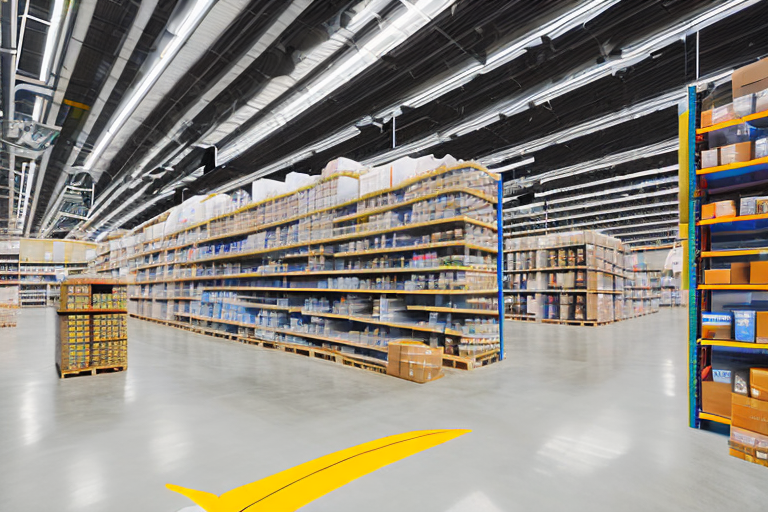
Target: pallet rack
92, 329
335, 274
716, 243
573, 278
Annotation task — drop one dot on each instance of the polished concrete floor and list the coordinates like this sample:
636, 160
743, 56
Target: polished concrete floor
575, 419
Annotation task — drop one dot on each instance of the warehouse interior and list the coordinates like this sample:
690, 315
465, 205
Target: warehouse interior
243, 241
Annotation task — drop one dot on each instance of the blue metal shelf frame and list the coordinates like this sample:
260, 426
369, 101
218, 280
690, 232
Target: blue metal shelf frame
693, 255
500, 263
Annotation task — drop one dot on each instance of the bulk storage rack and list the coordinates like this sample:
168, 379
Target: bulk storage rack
92, 327
9, 265
718, 242
575, 278
325, 272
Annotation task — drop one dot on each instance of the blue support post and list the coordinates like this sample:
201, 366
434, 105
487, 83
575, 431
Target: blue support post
693, 251
500, 264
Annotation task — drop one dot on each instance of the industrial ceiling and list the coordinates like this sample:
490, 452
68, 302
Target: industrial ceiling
131, 106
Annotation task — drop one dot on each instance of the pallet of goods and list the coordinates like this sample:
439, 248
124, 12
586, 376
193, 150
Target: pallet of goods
336, 266
92, 327
575, 278
727, 137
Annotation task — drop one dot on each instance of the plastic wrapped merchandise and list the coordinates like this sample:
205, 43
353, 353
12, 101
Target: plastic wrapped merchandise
744, 105
724, 113
297, 180
341, 165
216, 205
761, 148
265, 188
240, 198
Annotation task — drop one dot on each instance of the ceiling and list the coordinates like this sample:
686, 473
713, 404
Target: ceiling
136, 105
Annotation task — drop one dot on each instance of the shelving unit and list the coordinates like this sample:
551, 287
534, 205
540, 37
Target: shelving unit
717, 243
39, 281
336, 273
575, 278
92, 327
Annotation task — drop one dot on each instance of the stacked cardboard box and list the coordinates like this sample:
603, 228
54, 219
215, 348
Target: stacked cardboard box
749, 420
414, 361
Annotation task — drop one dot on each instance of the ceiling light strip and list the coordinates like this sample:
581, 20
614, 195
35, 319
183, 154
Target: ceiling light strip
600, 212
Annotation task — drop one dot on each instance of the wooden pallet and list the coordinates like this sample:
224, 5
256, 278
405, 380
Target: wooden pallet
520, 318
94, 370
470, 363
7, 324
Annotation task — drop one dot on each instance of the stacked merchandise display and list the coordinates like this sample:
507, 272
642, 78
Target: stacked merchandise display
337, 268
9, 269
92, 327
671, 296
728, 269
572, 278
643, 291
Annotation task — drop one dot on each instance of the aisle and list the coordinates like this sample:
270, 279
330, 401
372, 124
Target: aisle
576, 419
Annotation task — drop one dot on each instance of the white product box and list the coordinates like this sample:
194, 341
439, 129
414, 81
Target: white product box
710, 158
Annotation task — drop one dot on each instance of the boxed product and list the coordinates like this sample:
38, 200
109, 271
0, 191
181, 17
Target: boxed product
758, 272
708, 211
750, 79
710, 158
761, 148
758, 383
725, 209
749, 445
749, 413
716, 398
733, 153
414, 361
744, 326
747, 206
761, 326
716, 326
740, 273
761, 205
717, 276
723, 113
706, 118
744, 105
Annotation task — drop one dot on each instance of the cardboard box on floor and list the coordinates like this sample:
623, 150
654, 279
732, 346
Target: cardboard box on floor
749, 446
414, 361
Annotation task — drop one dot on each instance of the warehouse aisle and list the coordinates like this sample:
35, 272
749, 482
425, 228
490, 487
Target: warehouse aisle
576, 419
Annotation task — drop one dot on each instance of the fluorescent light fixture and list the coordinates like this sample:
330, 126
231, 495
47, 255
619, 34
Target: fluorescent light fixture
186, 28
51, 39
515, 165
644, 206
591, 223
613, 179
645, 232
618, 190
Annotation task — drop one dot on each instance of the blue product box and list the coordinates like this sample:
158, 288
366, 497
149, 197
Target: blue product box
716, 326
721, 376
744, 326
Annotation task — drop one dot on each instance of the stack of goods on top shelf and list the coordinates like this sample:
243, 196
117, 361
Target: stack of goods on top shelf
572, 278
729, 342
338, 265
92, 328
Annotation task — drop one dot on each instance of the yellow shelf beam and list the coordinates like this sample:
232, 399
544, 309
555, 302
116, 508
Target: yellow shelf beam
730, 167
426, 197
753, 287
733, 343
351, 290
371, 320
740, 252
714, 417
733, 122
737, 218
436, 309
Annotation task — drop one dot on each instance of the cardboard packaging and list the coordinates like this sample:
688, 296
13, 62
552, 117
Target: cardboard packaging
725, 209
706, 118
758, 383
749, 413
739, 152
750, 446
744, 326
758, 272
747, 206
710, 158
717, 276
723, 113
716, 326
761, 326
708, 211
761, 205
750, 79
716, 398
414, 361
740, 273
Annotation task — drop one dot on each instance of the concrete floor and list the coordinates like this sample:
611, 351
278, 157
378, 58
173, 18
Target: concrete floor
575, 419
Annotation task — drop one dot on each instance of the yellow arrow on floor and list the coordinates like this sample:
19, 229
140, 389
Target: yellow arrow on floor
293, 488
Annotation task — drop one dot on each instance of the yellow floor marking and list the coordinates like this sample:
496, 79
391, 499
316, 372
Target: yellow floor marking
293, 488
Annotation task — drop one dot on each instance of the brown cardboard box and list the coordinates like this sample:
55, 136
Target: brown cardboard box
393, 359
717, 276
725, 209
739, 152
419, 372
758, 272
749, 413
708, 211
740, 273
758, 383
750, 79
716, 398
415, 361
761, 327
749, 446
706, 118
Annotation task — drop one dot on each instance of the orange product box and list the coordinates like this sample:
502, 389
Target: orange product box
758, 383
758, 272
716, 398
717, 276
708, 211
761, 326
734, 153
740, 273
725, 209
706, 118
749, 413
